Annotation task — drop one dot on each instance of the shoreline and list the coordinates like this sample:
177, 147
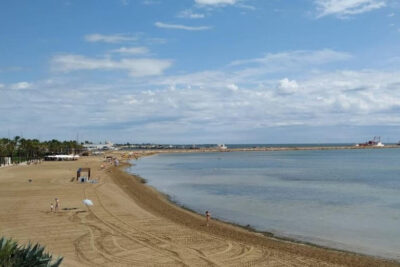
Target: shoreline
259, 237
248, 227
271, 235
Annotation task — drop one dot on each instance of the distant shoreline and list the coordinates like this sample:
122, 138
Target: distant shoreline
249, 149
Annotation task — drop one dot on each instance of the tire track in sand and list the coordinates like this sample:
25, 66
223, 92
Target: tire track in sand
126, 233
245, 251
146, 237
97, 247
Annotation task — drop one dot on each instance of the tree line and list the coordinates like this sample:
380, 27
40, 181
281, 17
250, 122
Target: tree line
27, 149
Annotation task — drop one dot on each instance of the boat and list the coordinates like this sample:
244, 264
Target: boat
374, 142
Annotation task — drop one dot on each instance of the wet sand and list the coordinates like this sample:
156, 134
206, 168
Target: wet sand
131, 224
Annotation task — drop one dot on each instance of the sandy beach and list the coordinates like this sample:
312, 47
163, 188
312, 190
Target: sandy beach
131, 224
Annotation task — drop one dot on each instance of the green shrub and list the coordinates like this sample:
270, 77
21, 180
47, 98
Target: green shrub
12, 254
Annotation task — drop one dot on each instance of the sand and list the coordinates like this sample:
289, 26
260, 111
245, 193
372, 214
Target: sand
131, 224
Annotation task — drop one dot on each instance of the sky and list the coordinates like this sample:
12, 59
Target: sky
200, 71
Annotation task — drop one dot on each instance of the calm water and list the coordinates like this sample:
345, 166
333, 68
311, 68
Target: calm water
347, 199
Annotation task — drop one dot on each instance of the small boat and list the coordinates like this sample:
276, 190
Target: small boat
374, 142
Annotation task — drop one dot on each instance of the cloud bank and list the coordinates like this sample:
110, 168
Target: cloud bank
190, 14
140, 50
138, 67
216, 2
344, 8
181, 27
200, 106
113, 38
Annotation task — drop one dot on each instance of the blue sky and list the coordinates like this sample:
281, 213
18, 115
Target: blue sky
201, 71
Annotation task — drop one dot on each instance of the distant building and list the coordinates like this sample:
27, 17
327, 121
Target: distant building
106, 146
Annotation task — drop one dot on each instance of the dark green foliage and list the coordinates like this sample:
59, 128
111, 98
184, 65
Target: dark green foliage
7, 250
11, 254
20, 149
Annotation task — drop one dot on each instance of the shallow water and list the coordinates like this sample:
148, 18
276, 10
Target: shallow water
346, 199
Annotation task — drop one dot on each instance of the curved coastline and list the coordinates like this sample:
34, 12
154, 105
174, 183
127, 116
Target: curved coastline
154, 201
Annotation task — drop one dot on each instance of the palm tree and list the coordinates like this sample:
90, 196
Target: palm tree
21, 149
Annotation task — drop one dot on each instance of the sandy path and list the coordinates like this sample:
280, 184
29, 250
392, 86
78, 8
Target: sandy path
131, 224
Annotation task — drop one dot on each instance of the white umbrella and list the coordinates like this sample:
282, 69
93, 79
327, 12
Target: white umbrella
87, 202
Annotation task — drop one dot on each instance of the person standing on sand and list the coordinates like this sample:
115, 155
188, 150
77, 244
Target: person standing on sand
57, 205
208, 217
51, 207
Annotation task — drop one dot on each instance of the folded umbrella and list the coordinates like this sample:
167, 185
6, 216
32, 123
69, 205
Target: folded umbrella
87, 202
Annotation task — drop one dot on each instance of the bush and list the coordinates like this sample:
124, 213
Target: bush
12, 254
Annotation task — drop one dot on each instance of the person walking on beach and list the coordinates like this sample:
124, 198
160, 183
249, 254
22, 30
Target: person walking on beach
57, 204
208, 217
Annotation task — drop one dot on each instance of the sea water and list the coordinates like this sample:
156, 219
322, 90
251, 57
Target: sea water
344, 199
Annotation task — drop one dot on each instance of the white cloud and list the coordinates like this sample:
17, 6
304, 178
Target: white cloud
287, 86
299, 57
21, 86
189, 14
136, 67
249, 7
344, 8
210, 4
198, 79
151, 2
215, 2
359, 95
181, 27
232, 87
112, 38
287, 61
132, 50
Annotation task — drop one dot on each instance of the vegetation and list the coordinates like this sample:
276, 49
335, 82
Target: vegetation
20, 149
12, 254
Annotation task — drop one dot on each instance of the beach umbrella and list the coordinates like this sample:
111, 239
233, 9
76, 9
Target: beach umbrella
87, 202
